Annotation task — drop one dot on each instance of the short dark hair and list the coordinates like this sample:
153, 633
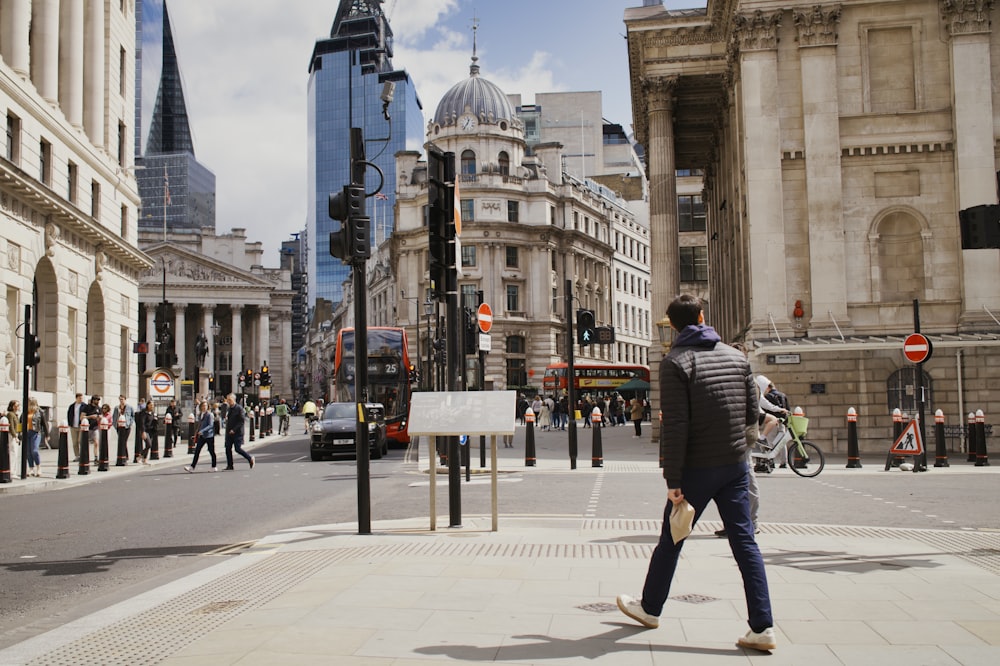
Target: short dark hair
683, 311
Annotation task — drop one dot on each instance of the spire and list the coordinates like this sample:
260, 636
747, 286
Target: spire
474, 67
169, 130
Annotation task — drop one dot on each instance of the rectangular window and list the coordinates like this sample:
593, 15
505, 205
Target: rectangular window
694, 264
513, 210
95, 200
469, 297
122, 68
513, 302
122, 143
468, 256
468, 210
13, 138
516, 372
124, 221
511, 256
891, 69
71, 182
45, 162
690, 213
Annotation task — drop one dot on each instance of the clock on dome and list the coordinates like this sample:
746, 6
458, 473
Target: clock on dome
468, 123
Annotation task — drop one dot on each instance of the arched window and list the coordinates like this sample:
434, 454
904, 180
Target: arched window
503, 161
468, 163
901, 391
899, 259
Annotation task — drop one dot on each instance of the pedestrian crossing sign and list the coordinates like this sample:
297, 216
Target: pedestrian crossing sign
908, 443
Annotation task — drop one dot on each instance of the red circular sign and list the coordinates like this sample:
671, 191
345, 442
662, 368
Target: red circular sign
485, 316
916, 348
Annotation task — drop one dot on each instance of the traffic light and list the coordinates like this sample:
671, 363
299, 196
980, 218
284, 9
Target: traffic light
241, 379
32, 347
440, 351
585, 327
412, 374
440, 217
353, 240
470, 328
211, 382
265, 376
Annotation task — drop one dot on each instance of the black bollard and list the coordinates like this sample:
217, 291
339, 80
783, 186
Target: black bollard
250, 425
529, 438
102, 450
121, 459
982, 460
191, 434
84, 467
4, 451
62, 466
137, 445
168, 436
941, 453
154, 446
596, 450
970, 437
853, 454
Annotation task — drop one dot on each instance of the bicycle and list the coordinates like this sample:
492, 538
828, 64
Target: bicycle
804, 458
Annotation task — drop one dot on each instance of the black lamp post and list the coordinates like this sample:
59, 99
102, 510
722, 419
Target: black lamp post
425, 376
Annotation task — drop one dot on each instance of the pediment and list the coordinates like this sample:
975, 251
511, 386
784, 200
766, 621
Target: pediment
185, 268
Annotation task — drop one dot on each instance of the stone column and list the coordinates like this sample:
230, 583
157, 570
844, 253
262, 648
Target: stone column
817, 32
208, 318
71, 60
180, 335
15, 20
93, 72
757, 37
45, 48
972, 83
664, 266
263, 337
237, 333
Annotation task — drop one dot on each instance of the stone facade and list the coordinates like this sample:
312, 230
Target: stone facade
839, 142
68, 199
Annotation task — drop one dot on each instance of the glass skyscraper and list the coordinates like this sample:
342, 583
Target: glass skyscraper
177, 191
347, 74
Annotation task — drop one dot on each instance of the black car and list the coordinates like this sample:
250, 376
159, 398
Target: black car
333, 433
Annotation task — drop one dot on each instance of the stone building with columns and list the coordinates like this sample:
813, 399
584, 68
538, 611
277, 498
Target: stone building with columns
839, 142
68, 198
216, 284
527, 228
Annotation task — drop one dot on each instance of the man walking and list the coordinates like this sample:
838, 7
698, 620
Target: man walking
122, 419
73, 415
708, 400
234, 431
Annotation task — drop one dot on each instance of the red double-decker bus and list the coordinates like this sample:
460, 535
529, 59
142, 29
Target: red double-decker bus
594, 377
388, 375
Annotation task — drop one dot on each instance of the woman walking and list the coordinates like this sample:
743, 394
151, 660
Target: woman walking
636, 411
38, 429
14, 428
206, 435
149, 423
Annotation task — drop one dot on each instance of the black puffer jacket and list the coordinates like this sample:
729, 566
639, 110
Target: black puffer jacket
708, 398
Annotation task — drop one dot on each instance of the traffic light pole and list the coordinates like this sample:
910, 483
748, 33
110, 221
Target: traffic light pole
28, 355
571, 375
453, 324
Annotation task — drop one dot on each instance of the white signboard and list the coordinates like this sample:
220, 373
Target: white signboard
484, 342
462, 413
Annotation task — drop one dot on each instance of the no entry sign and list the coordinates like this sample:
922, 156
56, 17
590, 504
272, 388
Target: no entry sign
485, 317
916, 348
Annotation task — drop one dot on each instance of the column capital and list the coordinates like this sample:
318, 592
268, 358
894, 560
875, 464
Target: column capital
757, 31
967, 17
236, 308
660, 91
817, 27
179, 305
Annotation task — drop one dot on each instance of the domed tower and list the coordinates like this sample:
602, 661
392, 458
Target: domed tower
477, 122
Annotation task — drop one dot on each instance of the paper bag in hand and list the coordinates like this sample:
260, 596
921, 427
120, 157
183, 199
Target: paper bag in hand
681, 519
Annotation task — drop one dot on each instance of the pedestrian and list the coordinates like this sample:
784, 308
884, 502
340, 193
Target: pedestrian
281, 411
14, 428
73, 415
149, 423
206, 435
170, 436
522, 407
586, 407
234, 432
122, 418
636, 411
93, 414
708, 401
308, 411
753, 489
544, 415
508, 440
36, 432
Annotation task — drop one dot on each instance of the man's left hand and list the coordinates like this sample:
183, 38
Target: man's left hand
675, 495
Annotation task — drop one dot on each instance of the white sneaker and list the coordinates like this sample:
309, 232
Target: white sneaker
215, 469
633, 608
754, 640
189, 469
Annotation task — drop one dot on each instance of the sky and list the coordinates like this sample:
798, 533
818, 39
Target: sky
244, 67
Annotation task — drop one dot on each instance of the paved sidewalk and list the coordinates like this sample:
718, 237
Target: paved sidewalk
541, 591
